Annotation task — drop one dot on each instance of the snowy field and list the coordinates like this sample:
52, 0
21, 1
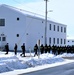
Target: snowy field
16, 64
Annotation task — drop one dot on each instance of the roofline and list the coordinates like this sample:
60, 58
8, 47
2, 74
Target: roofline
21, 11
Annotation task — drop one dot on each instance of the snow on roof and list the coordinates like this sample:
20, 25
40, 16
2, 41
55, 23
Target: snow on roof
29, 13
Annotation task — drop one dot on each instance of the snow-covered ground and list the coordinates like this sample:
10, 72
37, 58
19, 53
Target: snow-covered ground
16, 64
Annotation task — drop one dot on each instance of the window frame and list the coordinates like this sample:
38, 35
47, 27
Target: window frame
64, 29
49, 26
61, 41
3, 38
54, 27
53, 40
61, 29
57, 40
2, 22
58, 28
49, 40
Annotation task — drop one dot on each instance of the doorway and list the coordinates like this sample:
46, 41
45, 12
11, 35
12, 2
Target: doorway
2, 41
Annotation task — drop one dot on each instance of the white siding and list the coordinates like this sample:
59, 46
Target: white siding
29, 28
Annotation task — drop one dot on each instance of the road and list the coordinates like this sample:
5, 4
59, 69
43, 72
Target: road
67, 69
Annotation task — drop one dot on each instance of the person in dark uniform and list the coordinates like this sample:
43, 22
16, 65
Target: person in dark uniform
35, 50
42, 49
49, 48
46, 48
73, 48
15, 49
7, 48
53, 49
23, 49
58, 50
68, 48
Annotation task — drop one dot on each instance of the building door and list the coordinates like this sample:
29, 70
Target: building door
2, 41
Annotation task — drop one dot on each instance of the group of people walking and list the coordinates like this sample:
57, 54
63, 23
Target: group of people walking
43, 49
56, 50
15, 49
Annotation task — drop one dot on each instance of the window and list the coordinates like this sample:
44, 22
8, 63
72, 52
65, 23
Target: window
50, 40
2, 34
57, 40
17, 18
61, 41
42, 36
0, 38
42, 21
17, 35
3, 38
53, 40
49, 26
54, 28
26, 33
64, 29
68, 41
2, 22
61, 29
57, 28
73, 41
64, 41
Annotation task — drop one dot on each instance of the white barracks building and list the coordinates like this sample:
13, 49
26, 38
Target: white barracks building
18, 26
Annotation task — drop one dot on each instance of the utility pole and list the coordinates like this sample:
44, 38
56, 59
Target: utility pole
45, 36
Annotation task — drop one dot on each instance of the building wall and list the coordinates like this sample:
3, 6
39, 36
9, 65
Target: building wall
56, 33
35, 30
70, 42
13, 26
29, 28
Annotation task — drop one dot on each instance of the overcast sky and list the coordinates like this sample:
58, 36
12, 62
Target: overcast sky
63, 10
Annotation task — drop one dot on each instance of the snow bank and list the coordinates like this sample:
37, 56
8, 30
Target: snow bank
11, 62
66, 55
44, 59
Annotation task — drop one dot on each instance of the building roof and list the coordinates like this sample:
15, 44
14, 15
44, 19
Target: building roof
28, 13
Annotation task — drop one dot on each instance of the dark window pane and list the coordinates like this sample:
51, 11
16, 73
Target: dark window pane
0, 38
57, 40
3, 38
17, 35
53, 40
50, 40
49, 26
18, 18
54, 28
64, 30
64, 41
61, 29
61, 41
57, 28
2, 22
